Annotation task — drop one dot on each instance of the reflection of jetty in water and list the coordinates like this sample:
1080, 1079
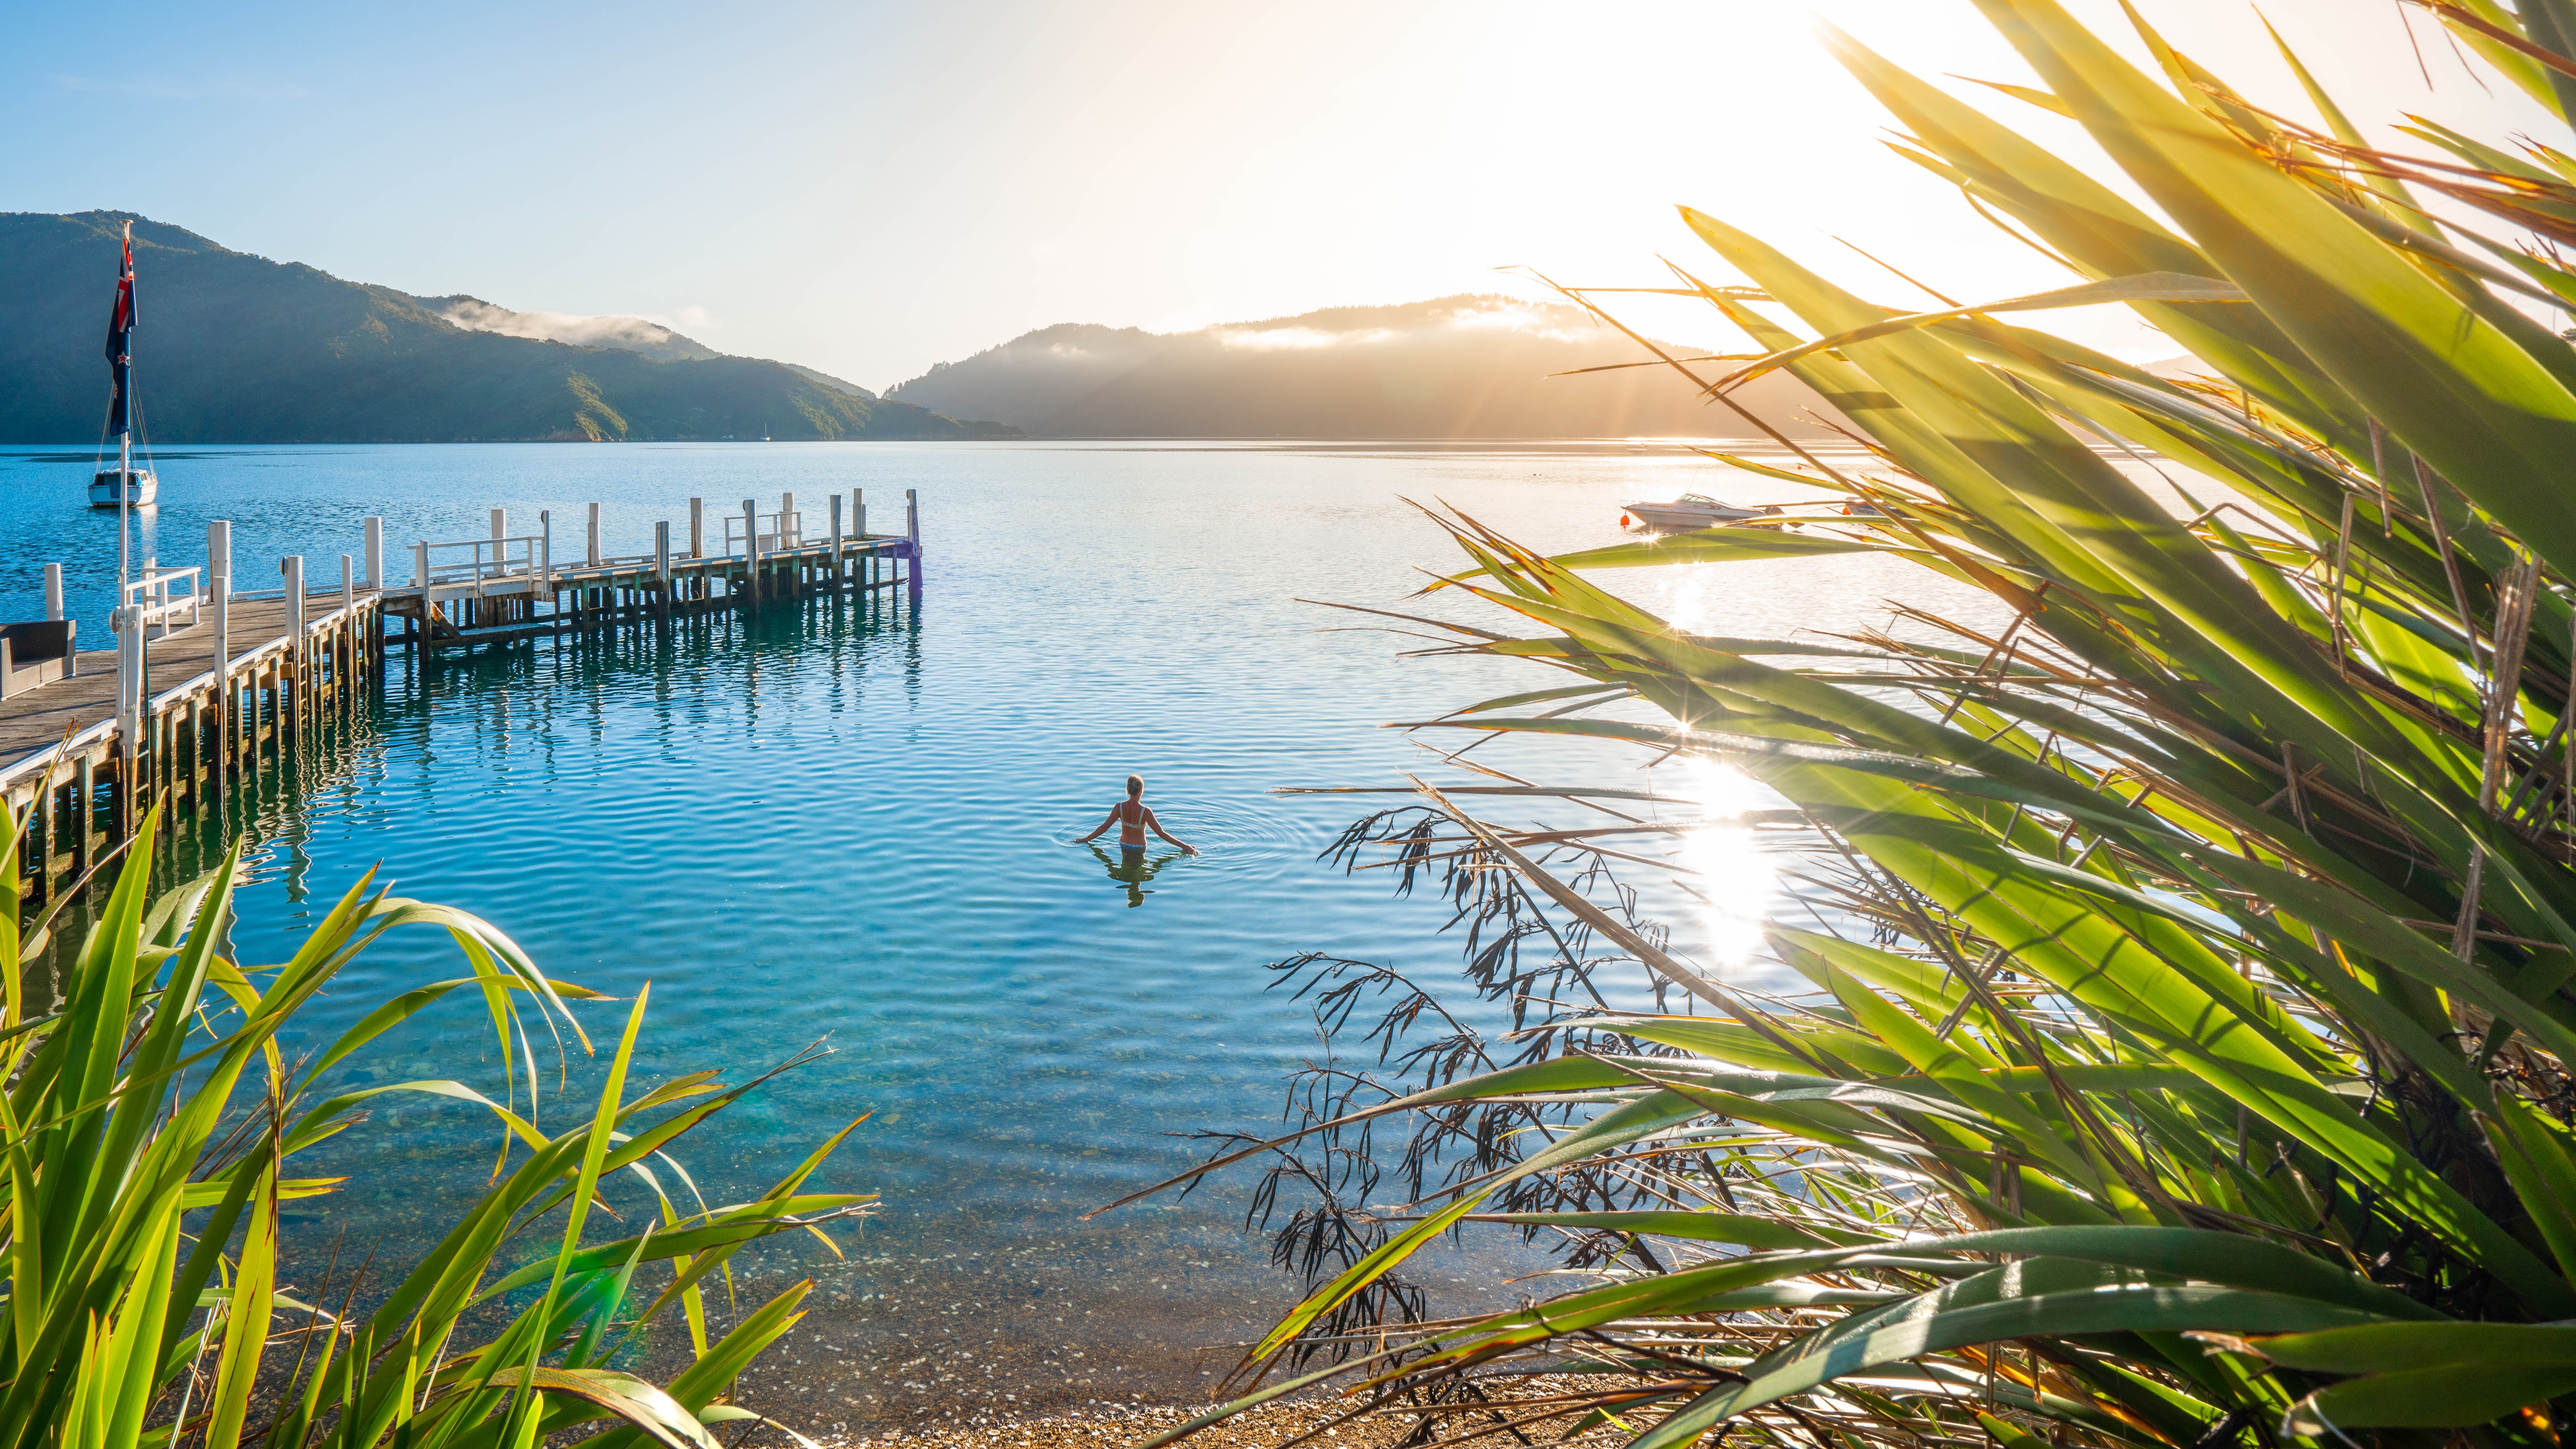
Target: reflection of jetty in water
87, 748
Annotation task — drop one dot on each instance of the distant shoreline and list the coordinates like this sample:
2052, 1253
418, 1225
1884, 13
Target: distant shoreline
1832, 445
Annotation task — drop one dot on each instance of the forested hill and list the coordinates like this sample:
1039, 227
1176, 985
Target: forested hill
1457, 367
233, 348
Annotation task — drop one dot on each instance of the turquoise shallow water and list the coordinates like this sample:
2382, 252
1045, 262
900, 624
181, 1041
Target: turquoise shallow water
852, 825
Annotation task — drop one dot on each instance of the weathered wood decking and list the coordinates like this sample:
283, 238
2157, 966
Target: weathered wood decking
38, 720
80, 788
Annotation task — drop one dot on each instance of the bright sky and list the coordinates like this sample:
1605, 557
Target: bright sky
870, 188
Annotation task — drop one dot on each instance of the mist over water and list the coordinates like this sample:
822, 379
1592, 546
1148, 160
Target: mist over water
851, 824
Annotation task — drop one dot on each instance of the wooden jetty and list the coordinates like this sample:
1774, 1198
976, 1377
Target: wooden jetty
511, 586
84, 756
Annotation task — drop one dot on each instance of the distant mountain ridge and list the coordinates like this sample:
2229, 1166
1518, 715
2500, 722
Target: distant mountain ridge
1463, 367
234, 348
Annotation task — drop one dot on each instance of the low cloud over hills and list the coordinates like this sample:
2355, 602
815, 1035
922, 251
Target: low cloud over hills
1458, 367
233, 348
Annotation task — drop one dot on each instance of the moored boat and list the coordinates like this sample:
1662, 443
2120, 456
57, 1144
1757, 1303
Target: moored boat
141, 487
1691, 510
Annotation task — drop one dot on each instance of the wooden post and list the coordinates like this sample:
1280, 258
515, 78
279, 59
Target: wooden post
344, 634
376, 553
292, 670
219, 564
129, 679
751, 547
697, 528
84, 811
662, 564
836, 542
912, 531
42, 832
594, 535
859, 512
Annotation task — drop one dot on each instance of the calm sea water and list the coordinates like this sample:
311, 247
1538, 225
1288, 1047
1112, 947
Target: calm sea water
854, 826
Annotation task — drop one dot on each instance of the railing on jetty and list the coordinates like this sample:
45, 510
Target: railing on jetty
162, 595
82, 758
507, 586
479, 567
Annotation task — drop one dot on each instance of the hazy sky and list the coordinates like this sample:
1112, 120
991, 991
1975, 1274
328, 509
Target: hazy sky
870, 188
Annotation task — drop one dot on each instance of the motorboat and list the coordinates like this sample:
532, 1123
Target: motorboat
1690, 511
141, 487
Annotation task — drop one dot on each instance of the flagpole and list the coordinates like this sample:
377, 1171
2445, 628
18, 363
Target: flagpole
124, 462
129, 636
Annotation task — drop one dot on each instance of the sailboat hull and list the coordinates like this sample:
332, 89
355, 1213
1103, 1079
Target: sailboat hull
141, 488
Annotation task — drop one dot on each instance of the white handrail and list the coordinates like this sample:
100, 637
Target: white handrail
479, 562
155, 603
778, 532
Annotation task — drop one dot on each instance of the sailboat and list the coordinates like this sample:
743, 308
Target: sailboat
123, 486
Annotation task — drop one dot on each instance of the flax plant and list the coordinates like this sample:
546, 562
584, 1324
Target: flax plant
2187, 1055
151, 1122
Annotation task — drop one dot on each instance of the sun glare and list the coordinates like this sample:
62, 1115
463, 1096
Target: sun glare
1732, 878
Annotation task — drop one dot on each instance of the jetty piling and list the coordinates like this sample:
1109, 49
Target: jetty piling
508, 587
82, 756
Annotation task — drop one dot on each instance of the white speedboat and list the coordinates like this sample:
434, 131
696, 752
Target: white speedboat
140, 488
1691, 510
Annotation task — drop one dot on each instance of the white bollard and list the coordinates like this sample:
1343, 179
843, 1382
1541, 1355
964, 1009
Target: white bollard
500, 523
54, 592
219, 587
375, 553
126, 620
292, 566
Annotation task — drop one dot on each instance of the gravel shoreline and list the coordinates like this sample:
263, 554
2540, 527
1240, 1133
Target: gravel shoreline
1098, 1426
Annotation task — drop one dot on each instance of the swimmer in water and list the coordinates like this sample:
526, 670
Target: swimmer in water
1133, 819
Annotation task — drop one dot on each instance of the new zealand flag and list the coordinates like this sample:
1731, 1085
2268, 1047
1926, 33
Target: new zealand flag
120, 360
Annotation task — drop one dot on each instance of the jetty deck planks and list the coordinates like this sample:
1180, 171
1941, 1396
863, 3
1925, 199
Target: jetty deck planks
80, 790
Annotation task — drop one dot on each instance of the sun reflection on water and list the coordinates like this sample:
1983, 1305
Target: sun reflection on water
1734, 879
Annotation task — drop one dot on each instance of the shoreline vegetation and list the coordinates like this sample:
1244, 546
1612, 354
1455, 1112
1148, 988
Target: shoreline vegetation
151, 1123
2183, 1058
